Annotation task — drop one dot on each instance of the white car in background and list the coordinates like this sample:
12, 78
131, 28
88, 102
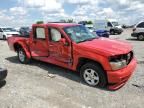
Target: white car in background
7, 32
110, 25
138, 31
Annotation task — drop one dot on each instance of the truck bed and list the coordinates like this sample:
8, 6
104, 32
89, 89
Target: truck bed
16, 38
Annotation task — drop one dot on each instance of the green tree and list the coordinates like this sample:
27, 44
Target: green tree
89, 22
67, 20
70, 20
39, 22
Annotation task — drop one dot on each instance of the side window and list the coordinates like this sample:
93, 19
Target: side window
40, 33
0, 30
109, 24
55, 35
141, 25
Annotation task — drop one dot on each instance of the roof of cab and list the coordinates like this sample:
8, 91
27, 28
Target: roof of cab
55, 24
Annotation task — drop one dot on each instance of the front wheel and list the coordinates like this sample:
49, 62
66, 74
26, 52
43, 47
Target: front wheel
93, 75
22, 56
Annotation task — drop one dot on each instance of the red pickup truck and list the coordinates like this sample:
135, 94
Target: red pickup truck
101, 62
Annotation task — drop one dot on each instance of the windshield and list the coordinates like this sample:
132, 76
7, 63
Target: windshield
79, 33
9, 30
101, 25
115, 23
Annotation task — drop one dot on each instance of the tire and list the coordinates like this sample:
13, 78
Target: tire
140, 37
119, 33
4, 37
112, 32
93, 75
22, 56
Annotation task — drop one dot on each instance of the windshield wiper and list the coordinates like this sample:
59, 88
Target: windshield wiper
90, 39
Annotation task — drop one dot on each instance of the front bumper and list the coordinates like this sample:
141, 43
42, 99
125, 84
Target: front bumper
134, 34
117, 79
118, 30
103, 35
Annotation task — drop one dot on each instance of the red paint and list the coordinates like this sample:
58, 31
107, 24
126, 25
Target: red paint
68, 56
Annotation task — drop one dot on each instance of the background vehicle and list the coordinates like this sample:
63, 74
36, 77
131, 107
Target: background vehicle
110, 25
99, 31
90, 27
138, 31
72, 46
102, 33
24, 31
7, 32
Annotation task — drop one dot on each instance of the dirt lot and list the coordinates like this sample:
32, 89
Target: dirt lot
41, 85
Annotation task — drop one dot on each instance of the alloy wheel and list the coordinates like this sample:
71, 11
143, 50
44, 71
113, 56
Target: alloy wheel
91, 77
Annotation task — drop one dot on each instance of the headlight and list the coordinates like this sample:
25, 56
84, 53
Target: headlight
118, 62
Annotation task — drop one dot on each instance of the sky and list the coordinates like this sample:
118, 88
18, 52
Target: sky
18, 13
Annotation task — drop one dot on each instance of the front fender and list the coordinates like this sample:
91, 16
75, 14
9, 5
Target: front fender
94, 57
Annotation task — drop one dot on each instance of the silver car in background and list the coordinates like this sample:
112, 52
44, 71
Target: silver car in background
7, 32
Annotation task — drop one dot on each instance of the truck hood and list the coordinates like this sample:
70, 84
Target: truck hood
119, 27
106, 47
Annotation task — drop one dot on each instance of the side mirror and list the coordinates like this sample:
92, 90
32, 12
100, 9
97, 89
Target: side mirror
64, 42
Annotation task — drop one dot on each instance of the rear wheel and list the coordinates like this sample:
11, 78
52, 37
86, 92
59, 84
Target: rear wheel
140, 37
22, 56
93, 75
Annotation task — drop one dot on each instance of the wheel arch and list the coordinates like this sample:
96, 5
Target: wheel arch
141, 33
20, 45
17, 46
112, 29
82, 61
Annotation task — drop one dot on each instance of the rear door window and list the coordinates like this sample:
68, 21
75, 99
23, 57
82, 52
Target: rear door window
55, 35
40, 33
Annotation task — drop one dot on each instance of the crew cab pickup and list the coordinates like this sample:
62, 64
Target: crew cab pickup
101, 61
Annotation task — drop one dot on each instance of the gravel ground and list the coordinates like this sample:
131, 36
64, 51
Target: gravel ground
42, 85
